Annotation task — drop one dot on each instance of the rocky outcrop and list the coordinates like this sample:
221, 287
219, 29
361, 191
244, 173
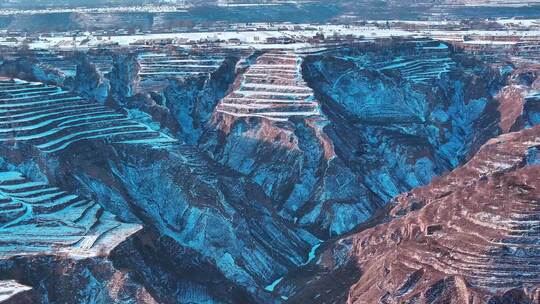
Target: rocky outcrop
176, 274
531, 110
56, 279
124, 76
85, 72
89, 82
191, 100
511, 106
518, 100
29, 69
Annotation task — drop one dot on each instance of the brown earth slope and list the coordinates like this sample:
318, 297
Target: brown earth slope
469, 237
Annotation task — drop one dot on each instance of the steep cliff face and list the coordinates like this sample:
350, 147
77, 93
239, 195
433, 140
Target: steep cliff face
531, 110
467, 237
403, 131
203, 206
124, 76
191, 100
518, 100
176, 274
195, 203
271, 129
84, 72
59, 280
377, 124
396, 128
89, 81
179, 91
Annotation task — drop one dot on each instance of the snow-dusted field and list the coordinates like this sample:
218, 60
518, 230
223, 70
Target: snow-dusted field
100, 10
248, 38
257, 34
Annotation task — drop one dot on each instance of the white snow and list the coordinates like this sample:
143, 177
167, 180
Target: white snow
11, 176
10, 288
272, 286
33, 103
312, 252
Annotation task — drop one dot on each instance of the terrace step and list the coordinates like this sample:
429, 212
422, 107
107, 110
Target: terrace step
418, 68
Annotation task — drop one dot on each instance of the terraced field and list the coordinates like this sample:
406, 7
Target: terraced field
59, 61
53, 119
36, 218
272, 88
163, 65
66, 62
156, 68
429, 62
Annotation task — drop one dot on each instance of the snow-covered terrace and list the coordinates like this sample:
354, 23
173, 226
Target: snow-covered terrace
162, 65
53, 119
36, 218
272, 88
430, 62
